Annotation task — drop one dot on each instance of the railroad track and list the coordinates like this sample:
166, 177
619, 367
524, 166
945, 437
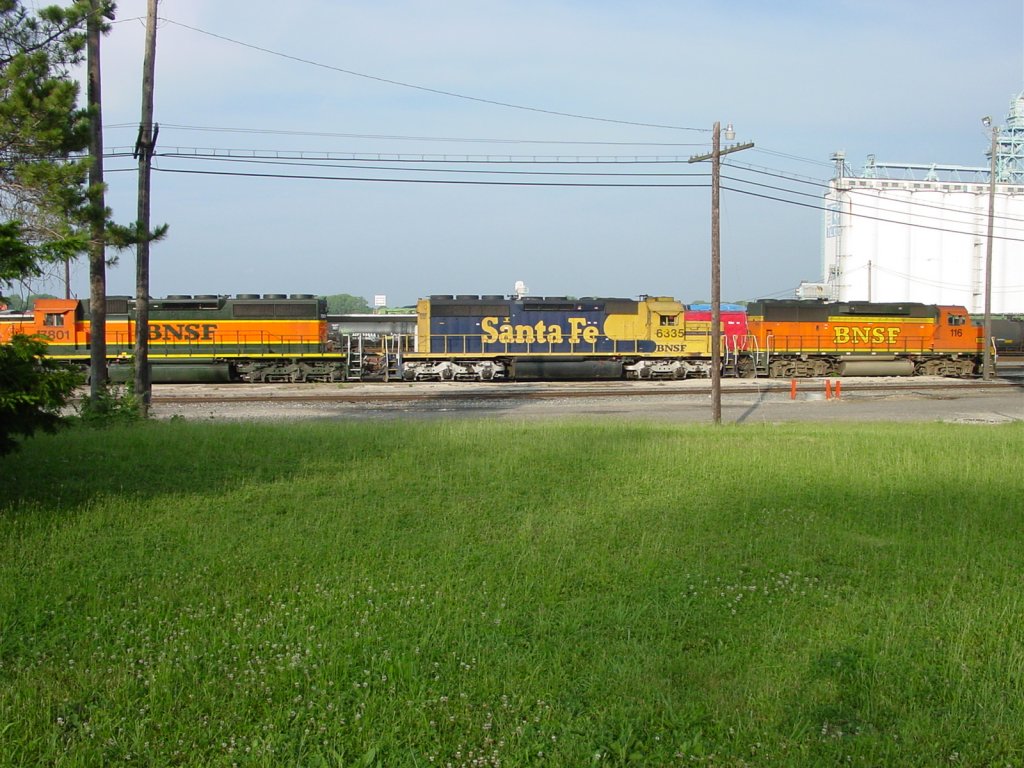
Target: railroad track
370, 393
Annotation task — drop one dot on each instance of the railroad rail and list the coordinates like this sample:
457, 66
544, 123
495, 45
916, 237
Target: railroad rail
370, 393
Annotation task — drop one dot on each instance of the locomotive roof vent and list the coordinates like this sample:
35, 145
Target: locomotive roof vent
275, 296
303, 296
247, 296
179, 296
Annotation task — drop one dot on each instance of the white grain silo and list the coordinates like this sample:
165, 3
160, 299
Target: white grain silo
912, 232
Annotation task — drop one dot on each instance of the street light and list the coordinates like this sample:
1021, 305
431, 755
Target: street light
986, 352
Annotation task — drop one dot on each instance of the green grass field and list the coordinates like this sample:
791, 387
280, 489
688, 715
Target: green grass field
476, 594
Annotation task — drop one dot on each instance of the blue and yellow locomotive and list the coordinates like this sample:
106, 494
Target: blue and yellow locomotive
524, 338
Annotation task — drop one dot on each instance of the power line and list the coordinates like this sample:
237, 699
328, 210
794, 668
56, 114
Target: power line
479, 182
389, 137
866, 216
474, 171
335, 159
880, 209
244, 155
426, 89
788, 156
824, 185
425, 181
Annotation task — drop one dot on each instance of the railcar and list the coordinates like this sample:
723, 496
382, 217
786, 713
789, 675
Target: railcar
1007, 334
470, 337
205, 338
793, 338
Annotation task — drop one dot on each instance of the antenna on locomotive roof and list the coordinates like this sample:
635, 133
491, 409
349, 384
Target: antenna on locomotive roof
521, 289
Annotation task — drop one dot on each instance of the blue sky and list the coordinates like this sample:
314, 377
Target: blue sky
905, 80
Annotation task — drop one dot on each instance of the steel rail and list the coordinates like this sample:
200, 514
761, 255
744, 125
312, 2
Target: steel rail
376, 393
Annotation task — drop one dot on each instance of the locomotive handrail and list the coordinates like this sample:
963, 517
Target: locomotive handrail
823, 344
472, 344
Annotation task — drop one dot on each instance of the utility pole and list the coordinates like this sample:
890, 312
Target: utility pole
144, 146
97, 211
716, 261
986, 353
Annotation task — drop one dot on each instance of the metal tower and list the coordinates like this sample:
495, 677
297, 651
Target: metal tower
1010, 148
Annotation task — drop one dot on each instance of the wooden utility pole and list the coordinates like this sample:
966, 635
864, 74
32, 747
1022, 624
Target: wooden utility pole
144, 146
716, 262
986, 352
97, 249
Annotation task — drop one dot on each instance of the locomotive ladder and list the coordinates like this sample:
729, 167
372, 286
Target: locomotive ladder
761, 356
744, 346
392, 356
353, 357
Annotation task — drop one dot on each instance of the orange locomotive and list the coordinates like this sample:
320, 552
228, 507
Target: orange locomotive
813, 338
195, 338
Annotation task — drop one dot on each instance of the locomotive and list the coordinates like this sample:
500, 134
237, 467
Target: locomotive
491, 337
816, 338
205, 338
285, 338
494, 337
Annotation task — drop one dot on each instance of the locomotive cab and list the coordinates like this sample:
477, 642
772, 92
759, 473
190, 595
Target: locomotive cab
59, 321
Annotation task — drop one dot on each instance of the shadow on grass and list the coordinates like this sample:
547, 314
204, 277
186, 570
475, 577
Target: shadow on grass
65, 470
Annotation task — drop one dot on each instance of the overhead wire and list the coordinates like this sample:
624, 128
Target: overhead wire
295, 162
867, 216
826, 185
612, 184
421, 181
391, 137
452, 94
254, 159
427, 89
880, 209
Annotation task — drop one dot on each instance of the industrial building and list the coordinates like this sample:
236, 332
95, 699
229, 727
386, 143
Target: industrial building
913, 232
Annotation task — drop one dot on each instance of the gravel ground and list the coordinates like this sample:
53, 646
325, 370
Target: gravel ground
676, 402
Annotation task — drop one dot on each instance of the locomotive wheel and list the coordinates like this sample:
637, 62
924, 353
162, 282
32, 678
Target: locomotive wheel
745, 368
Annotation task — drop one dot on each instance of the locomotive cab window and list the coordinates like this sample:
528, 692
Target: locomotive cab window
664, 320
53, 320
957, 320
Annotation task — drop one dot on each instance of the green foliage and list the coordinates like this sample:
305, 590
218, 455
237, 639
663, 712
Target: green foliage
346, 304
42, 133
113, 404
481, 593
18, 304
45, 201
33, 390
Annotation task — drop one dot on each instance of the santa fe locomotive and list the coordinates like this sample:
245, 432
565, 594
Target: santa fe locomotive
277, 337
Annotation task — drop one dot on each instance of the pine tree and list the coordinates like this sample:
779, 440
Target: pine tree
43, 135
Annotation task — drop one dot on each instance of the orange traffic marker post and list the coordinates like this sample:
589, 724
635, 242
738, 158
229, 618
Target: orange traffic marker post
792, 389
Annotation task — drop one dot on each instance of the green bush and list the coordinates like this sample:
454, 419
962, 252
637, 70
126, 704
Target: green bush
113, 404
33, 390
